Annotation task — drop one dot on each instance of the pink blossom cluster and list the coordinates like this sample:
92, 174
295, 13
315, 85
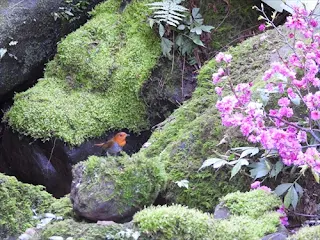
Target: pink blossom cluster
279, 128
257, 185
283, 216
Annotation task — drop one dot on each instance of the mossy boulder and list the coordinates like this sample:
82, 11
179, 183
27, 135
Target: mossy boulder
307, 233
18, 202
180, 222
173, 222
114, 188
94, 81
80, 230
191, 134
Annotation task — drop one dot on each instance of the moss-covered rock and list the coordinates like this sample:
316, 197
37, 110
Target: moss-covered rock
17, 203
62, 207
253, 203
179, 222
307, 233
191, 134
174, 222
114, 188
80, 230
94, 81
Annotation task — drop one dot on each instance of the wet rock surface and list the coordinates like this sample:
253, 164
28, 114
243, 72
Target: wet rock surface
29, 32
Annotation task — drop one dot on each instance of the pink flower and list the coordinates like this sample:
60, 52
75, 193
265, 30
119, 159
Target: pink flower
255, 185
218, 90
313, 23
284, 102
283, 216
262, 27
216, 78
315, 115
302, 136
265, 188
219, 57
227, 58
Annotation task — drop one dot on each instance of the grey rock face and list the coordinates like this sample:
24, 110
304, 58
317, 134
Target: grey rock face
29, 33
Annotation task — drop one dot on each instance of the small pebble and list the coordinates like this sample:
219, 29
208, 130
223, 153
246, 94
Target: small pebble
49, 215
69, 238
55, 238
30, 231
24, 237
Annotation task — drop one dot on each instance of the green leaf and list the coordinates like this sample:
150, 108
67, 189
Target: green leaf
251, 151
278, 167
238, 166
196, 40
179, 40
296, 101
195, 13
288, 198
220, 163
196, 30
294, 197
299, 189
206, 28
161, 30
210, 162
282, 188
166, 46
181, 27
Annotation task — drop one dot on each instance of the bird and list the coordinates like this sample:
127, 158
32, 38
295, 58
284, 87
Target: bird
115, 144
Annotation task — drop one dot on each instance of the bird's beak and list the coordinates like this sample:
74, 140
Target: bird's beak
128, 135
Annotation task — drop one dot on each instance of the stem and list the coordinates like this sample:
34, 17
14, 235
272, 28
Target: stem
182, 83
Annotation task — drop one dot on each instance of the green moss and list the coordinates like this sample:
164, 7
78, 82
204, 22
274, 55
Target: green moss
94, 81
191, 134
307, 233
231, 21
245, 227
135, 181
253, 203
79, 230
173, 222
179, 222
62, 207
17, 200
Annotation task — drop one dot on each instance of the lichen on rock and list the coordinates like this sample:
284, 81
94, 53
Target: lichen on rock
93, 83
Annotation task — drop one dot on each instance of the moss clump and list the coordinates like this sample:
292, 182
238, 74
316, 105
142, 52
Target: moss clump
253, 203
79, 230
245, 227
17, 202
62, 207
191, 134
307, 233
128, 182
94, 81
179, 222
173, 222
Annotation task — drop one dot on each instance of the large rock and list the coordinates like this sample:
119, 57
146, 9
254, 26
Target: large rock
113, 189
29, 31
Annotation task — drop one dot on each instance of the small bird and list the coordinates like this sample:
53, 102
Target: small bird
115, 144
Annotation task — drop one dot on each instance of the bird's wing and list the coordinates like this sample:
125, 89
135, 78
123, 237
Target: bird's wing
105, 145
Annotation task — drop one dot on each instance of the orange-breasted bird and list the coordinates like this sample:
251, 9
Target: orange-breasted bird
115, 144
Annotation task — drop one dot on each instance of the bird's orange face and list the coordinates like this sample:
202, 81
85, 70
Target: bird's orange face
120, 138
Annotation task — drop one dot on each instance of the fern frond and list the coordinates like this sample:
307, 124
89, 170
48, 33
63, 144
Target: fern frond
169, 11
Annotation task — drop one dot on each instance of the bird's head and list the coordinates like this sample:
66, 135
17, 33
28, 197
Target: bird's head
120, 138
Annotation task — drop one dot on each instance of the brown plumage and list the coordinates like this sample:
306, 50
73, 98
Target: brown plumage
115, 144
